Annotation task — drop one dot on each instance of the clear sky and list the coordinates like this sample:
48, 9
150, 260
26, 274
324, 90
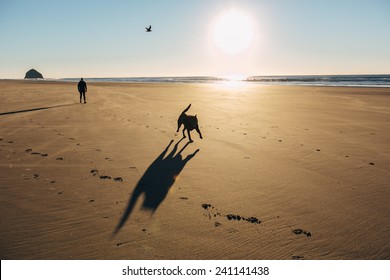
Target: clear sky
193, 37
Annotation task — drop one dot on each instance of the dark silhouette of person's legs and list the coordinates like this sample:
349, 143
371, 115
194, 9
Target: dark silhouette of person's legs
82, 96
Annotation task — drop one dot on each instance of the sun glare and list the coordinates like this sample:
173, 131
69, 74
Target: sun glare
233, 32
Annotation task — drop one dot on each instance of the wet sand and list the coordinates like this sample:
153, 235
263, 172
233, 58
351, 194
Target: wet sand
282, 172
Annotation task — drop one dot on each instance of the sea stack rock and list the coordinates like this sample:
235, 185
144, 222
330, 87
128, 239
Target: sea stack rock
33, 74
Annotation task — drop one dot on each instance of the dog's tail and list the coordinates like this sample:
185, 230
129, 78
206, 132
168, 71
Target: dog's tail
186, 109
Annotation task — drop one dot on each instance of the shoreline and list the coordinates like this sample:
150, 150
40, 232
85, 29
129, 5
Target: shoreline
363, 80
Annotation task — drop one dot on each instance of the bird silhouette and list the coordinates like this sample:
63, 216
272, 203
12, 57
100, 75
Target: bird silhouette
148, 29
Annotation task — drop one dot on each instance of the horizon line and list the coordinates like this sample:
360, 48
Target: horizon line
204, 76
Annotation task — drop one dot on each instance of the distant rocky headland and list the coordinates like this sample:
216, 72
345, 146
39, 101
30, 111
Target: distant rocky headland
33, 74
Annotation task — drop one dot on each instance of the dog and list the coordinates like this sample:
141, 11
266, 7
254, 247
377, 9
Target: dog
189, 123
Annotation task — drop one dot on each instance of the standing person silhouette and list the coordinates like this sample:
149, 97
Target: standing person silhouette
82, 87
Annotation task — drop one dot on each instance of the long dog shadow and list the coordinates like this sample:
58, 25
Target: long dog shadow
156, 181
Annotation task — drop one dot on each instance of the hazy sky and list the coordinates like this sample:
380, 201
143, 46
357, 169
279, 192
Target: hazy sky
107, 38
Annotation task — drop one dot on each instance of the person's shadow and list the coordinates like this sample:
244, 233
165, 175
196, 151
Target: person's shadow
156, 181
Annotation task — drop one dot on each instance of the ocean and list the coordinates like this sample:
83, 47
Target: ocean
305, 80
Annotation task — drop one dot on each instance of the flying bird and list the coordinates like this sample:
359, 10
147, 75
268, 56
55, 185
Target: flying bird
148, 29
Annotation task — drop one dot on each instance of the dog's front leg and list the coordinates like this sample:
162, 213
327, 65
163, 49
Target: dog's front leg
198, 130
189, 135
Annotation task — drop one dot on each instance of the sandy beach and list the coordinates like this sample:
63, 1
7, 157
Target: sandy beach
282, 172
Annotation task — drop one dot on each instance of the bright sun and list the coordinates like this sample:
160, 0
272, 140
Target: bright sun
233, 32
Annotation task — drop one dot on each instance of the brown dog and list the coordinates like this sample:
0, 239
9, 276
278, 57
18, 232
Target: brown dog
189, 123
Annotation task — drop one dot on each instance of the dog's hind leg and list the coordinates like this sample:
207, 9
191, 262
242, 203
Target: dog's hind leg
184, 135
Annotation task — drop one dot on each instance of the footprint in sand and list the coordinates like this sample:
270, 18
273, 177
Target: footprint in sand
124, 243
118, 179
213, 212
252, 220
94, 172
299, 231
38, 153
146, 231
232, 230
60, 158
